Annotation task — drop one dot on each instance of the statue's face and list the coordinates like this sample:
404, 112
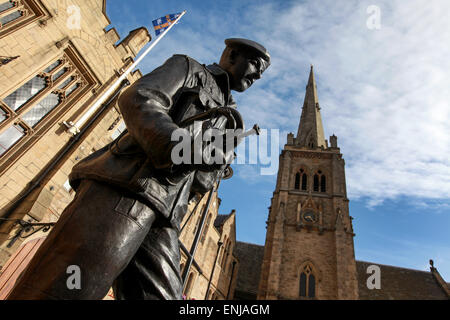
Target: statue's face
244, 71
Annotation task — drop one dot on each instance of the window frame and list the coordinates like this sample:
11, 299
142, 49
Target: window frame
206, 227
309, 271
301, 180
77, 69
316, 182
33, 11
319, 182
297, 181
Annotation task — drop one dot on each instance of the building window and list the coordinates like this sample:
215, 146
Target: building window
301, 180
10, 136
205, 229
19, 13
307, 282
226, 255
320, 182
316, 183
323, 184
229, 267
297, 180
6, 5
4, 20
222, 252
311, 143
304, 181
39, 102
120, 128
23, 111
197, 225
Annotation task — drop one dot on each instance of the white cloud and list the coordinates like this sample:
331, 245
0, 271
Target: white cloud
384, 93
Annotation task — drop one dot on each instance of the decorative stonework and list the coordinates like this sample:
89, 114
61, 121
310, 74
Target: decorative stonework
20, 14
311, 155
60, 84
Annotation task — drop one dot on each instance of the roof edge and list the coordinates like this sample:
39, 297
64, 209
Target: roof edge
253, 244
388, 265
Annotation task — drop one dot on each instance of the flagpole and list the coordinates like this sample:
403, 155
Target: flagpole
75, 128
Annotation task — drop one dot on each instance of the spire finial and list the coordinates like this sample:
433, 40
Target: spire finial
310, 131
312, 80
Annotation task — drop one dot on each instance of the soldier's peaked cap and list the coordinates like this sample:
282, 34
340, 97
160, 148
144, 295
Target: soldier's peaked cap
254, 46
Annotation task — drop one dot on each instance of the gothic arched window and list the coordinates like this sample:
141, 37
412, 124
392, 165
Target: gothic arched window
316, 183
197, 224
17, 14
320, 182
297, 180
301, 180
304, 181
226, 254
307, 285
222, 252
323, 184
31, 108
205, 229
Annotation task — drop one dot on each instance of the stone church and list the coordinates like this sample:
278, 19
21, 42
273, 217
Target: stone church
309, 251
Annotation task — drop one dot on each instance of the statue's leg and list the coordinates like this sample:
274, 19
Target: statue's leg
154, 271
97, 234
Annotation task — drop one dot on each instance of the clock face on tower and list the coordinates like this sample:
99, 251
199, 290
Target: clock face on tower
309, 216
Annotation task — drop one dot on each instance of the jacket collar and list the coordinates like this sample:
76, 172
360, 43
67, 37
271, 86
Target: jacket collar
222, 80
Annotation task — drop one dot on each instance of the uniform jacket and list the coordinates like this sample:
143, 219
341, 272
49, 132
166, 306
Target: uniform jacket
139, 161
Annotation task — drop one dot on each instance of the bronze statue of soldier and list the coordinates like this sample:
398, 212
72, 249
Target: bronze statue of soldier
122, 227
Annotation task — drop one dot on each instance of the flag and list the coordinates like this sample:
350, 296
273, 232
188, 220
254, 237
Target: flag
161, 24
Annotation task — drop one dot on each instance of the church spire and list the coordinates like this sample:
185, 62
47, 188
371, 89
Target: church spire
310, 130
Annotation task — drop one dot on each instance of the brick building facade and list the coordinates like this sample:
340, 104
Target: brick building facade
60, 69
214, 275
57, 58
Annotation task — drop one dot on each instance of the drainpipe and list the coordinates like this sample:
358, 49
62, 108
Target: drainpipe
220, 243
231, 279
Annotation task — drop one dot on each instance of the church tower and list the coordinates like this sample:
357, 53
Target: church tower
309, 251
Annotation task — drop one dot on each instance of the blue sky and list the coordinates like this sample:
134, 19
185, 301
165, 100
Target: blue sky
383, 91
